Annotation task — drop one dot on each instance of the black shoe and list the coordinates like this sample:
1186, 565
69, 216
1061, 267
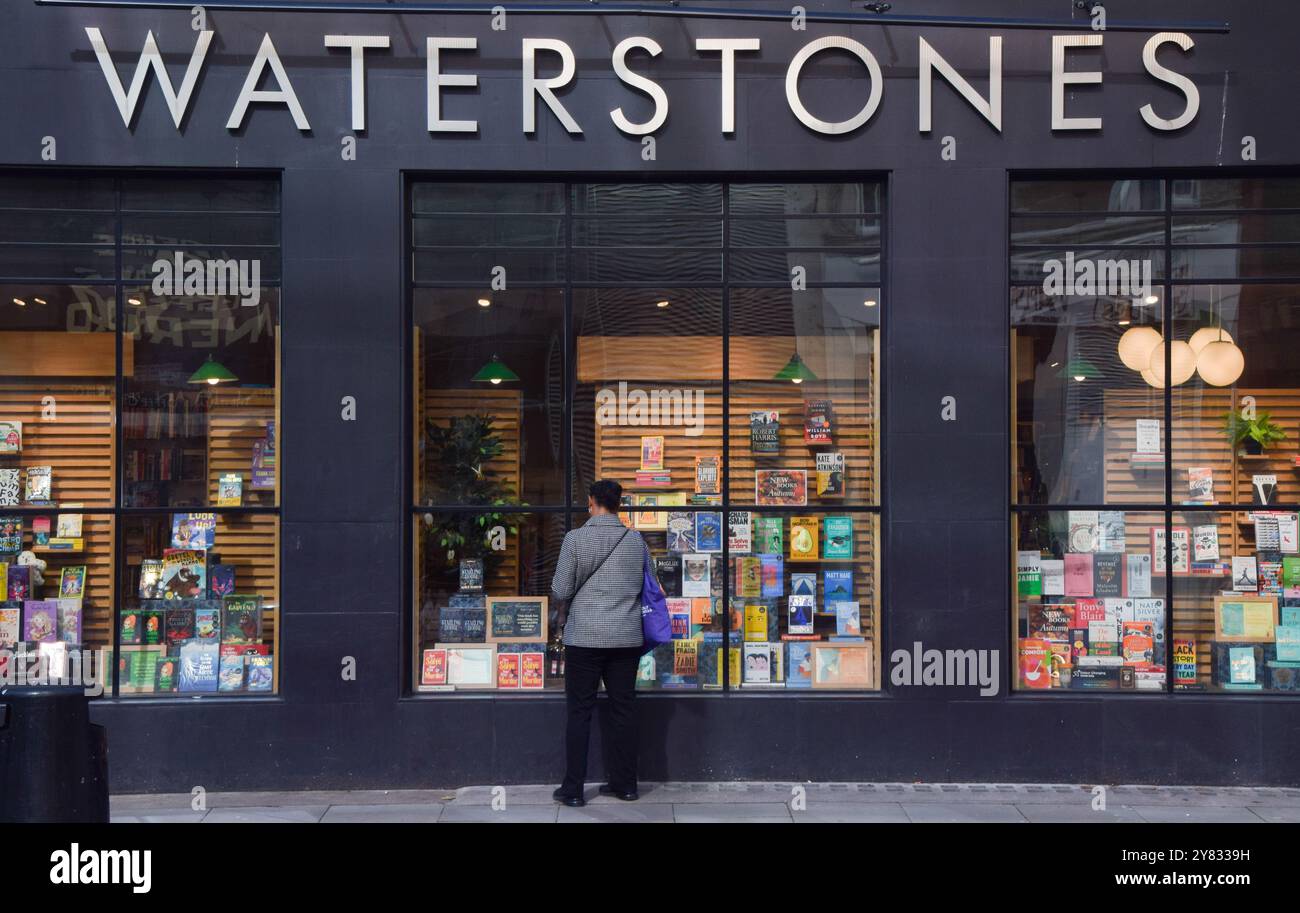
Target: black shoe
571, 801
607, 790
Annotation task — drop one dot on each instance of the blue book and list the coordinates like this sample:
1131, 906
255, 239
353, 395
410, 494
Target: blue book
773, 571
200, 665
798, 664
708, 531
838, 587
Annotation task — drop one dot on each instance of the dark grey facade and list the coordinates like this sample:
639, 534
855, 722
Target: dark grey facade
946, 549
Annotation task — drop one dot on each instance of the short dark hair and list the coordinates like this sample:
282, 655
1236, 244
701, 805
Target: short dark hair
606, 493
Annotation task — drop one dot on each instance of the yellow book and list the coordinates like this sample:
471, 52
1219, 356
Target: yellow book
755, 622
803, 538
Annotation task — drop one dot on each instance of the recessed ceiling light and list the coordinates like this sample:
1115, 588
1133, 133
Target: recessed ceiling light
135, 301
20, 302
39, 300
662, 303
1054, 364
870, 302
1152, 299
484, 302
1125, 322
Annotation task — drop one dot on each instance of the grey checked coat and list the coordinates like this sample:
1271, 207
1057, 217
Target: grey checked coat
607, 613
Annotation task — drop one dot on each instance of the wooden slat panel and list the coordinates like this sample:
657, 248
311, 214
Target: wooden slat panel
38, 354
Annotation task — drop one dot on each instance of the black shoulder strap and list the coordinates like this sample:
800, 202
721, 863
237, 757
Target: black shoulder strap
596, 570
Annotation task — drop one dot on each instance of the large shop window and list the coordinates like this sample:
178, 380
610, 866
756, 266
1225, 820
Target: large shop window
714, 349
1156, 414
139, 398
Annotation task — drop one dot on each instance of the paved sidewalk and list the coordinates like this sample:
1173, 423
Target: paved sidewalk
690, 803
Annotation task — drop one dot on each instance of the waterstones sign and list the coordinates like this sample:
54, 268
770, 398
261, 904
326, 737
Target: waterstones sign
547, 67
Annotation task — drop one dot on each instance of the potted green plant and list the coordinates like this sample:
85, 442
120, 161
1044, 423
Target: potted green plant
1252, 435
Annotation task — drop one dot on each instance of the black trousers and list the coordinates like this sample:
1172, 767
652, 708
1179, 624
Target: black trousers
584, 667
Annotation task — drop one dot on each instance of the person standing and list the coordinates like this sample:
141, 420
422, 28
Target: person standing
599, 575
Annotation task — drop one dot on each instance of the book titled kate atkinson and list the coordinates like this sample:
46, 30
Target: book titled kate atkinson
818, 422
830, 474
781, 487
764, 432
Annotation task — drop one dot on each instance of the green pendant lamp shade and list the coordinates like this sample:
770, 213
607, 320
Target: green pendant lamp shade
795, 371
212, 372
1080, 369
494, 372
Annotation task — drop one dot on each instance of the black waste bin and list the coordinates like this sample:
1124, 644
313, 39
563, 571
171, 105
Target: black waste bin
53, 761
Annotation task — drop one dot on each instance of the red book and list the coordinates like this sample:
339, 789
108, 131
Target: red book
433, 670
508, 670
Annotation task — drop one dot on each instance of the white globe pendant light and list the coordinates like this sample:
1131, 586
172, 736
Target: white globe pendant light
1136, 346
1206, 335
1182, 362
1220, 363
1151, 379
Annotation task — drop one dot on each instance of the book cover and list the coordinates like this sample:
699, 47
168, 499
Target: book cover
41, 620
837, 537
11, 626
164, 674
199, 667
1205, 542
11, 534
1200, 485
221, 580
740, 532
1241, 661
1290, 571
1035, 663
1182, 548
451, 624
1184, 662
508, 669
768, 537
241, 619
1050, 621
764, 432
1107, 574
70, 620
18, 582
781, 487
773, 571
152, 620
696, 575
40, 480
803, 585
1078, 574
803, 538
260, 673
178, 623
668, 568
650, 519
230, 674
1082, 531
11, 437
1245, 574
184, 574
758, 663
9, 487
1263, 489
40, 532
702, 611
67, 526
207, 622
1138, 643
679, 617
532, 671
230, 490
72, 582
830, 474
194, 531
848, 620
1147, 439
1029, 572
708, 531
818, 422
837, 586
801, 610
1138, 576
755, 621
652, 453
680, 529
151, 572
749, 576
1111, 533
471, 575
798, 664
708, 475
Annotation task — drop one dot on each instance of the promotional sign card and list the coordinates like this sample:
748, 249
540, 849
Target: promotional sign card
1138, 581
1053, 574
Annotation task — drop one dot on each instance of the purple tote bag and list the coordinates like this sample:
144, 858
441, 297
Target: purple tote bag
655, 626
